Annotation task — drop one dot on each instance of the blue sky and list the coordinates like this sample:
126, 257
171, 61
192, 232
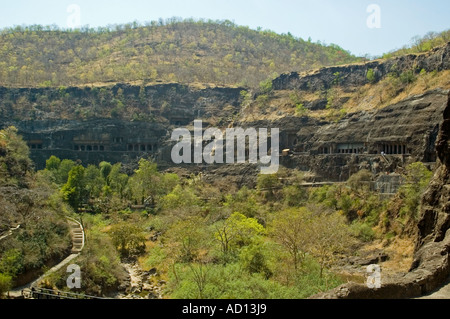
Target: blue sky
343, 22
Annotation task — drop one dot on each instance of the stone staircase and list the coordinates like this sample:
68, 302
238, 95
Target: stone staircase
78, 242
77, 237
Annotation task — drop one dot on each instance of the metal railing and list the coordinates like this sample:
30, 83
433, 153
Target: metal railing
43, 293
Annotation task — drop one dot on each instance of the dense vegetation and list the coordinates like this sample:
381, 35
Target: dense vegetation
278, 240
422, 44
28, 206
210, 243
174, 50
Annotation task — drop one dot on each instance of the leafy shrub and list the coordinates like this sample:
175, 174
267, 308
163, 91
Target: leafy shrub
362, 231
294, 195
371, 77
266, 86
5, 284
417, 179
128, 239
407, 77
228, 282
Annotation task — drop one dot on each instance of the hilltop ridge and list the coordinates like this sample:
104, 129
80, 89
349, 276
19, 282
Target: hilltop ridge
175, 50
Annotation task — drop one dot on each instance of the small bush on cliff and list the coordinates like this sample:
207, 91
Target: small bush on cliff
266, 86
417, 179
407, 77
371, 77
362, 231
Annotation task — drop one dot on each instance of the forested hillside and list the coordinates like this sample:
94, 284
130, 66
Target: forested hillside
174, 50
421, 44
195, 232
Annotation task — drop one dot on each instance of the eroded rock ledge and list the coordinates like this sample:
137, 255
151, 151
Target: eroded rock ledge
431, 265
356, 74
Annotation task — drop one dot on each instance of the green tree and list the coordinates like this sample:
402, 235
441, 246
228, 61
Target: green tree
168, 182
53, 163
294, 195
254, 259
268, 184
266, 86
408, 77
74, 191
244, 201
291, 229
15, 163
11, 262
105, 170
145, 184
237, 231
118, 181
327, 195
417, 179
179, 197
129, 239
62, 174
93, 181
59, 169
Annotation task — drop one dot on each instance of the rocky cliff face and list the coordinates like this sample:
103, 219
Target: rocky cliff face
173, 103
356, 74
431, 265
78, 124
436, 204
405, 132
125, 122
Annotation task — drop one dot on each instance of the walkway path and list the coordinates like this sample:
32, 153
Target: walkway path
10, 232
78, 241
